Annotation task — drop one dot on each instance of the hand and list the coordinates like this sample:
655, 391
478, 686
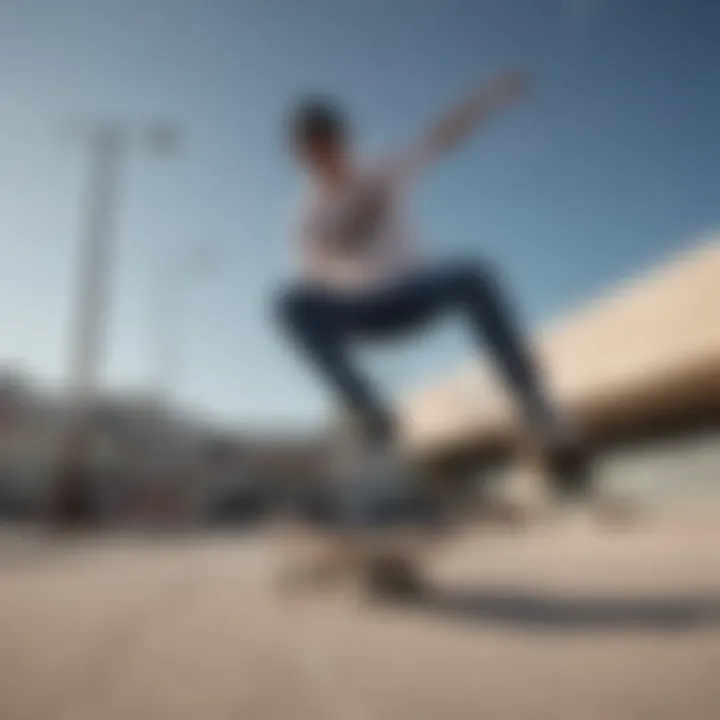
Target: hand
358, 225
507, 87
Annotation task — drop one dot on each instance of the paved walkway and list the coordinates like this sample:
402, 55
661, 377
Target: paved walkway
558, 624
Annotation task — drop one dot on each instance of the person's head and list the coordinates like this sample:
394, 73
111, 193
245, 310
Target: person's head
319, 137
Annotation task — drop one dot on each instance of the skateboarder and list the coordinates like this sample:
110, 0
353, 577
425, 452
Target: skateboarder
362, 279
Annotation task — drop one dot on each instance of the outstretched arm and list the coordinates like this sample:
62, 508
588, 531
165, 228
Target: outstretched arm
462, 119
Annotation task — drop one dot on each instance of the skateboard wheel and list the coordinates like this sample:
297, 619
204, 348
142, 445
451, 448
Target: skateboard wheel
392, 577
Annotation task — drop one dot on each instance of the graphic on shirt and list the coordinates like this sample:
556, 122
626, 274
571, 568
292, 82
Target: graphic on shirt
355, 223
356, 236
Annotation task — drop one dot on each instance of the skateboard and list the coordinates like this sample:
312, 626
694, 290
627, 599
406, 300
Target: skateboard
385, 557
379, 552
380, 563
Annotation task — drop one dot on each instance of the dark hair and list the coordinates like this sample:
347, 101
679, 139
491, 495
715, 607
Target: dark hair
316, 120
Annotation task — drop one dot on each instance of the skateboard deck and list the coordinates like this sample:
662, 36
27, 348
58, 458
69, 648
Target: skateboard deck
380, 562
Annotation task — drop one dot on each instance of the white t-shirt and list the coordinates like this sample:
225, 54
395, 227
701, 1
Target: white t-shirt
355, 238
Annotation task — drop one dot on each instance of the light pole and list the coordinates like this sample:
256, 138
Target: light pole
177, 274
108, 143
174, 277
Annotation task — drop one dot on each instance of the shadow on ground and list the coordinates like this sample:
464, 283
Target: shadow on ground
538, 611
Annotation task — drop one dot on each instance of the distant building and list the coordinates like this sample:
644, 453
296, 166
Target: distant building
259, 473
146, 464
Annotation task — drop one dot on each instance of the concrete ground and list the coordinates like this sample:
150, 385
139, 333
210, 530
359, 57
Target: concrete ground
559, 623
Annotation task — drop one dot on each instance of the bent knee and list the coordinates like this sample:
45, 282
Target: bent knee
295, 306
472, 276
286, 305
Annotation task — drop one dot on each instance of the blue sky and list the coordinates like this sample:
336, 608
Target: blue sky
613, 165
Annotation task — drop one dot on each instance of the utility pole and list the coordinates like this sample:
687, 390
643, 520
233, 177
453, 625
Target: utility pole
177, 275
92, 303
70, 501
166, 329
108, 143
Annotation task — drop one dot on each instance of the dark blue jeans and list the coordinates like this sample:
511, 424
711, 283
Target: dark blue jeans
326, 323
